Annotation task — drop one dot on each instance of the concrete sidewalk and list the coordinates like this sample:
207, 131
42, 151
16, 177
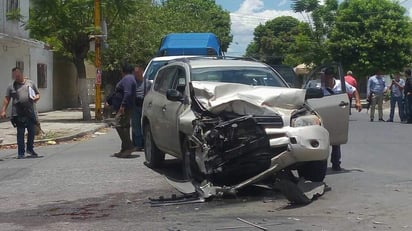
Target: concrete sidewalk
58, 126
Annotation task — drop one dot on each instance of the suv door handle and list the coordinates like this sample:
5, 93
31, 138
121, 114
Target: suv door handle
343, 103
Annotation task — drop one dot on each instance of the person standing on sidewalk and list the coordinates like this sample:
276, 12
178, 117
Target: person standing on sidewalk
123, 102
24, 94
408, 95
142, 86
396, 89
375, 90
352, 81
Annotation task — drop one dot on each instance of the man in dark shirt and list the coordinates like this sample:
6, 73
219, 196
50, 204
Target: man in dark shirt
142, 86
408, 95
123, 102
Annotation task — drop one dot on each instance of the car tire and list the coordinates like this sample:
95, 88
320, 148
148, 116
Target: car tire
154, 157
190, 169
313, 170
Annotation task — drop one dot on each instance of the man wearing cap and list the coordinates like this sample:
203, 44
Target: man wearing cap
331, 86
396, 89
375, 89
352, 81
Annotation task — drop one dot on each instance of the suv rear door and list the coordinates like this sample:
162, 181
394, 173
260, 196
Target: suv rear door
333, 109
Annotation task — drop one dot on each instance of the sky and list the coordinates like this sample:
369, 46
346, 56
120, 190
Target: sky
245, 15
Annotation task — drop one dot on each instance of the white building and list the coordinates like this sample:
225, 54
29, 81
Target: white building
17, 49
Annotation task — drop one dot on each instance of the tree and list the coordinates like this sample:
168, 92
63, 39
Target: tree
198, 16
371, 34
281, 40
67, 26
134, 38
138, 37
321, 19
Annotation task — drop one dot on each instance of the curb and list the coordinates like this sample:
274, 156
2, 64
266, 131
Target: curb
64, 138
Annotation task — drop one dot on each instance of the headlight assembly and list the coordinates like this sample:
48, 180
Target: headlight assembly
307, 120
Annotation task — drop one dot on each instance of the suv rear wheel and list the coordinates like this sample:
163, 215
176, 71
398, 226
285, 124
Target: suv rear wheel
154, 157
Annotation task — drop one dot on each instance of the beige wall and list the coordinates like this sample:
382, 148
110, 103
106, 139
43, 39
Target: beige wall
65, 94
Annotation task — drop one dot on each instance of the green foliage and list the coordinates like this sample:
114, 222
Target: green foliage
65, 25
14, 15
371, 34
281, 40
137, 38
135, 28
198, 16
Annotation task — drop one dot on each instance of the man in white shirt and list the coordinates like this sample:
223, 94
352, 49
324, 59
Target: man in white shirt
331, 86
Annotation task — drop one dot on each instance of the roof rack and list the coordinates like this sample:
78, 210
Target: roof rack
237, 58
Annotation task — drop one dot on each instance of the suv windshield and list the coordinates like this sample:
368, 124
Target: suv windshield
256, 76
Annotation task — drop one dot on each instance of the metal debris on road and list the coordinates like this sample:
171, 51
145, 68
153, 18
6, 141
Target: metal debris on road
252, 224
176, 200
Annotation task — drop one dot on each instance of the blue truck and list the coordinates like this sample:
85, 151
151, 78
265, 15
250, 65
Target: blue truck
205, 44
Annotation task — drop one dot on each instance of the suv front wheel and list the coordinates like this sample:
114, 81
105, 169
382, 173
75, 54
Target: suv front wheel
313, 170
154, 157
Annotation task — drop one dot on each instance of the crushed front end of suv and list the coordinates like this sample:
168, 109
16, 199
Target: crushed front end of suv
236, 123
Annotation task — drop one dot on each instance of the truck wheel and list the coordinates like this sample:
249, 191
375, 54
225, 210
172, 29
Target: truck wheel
154, 157
313, 170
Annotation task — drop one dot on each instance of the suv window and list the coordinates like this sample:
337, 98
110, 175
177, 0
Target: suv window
152, 69
179, 82
164, 79
256, 76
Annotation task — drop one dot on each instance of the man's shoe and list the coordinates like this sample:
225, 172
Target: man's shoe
139, 149
336, 167
381, 120
33, 154
20, 157
389, 121
371, 119
124, 153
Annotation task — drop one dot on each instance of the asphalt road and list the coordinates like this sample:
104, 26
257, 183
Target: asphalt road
78, 186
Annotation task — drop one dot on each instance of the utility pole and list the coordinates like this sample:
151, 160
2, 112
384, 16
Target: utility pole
98, 62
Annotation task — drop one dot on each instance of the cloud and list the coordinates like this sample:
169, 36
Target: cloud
250, 14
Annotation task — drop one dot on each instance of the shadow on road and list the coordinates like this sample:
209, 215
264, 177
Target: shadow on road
344, 170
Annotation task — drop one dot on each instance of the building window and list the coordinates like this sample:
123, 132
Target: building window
41, 75
20, 64
12, 5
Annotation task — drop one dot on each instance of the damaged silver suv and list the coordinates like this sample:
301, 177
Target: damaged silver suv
235, 123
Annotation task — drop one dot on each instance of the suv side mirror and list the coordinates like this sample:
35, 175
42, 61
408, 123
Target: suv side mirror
174, 95
312, 93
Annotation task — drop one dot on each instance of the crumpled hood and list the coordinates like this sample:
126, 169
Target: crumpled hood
248, 100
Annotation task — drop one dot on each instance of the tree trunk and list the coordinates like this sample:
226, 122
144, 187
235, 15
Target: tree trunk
82, 86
